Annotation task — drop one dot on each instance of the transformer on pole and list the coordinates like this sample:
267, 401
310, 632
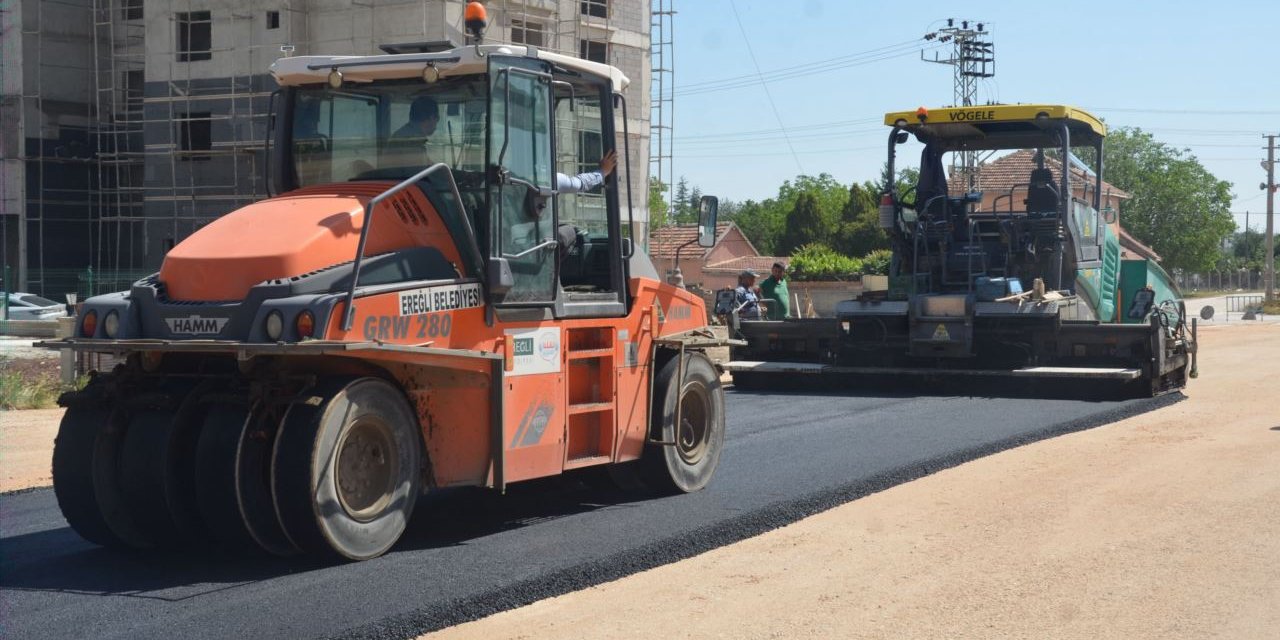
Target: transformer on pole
973, 56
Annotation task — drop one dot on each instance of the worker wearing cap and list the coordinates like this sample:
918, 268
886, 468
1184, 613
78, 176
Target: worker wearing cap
748, 296
774, 291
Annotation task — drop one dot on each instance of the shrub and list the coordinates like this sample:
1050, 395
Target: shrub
817, 261
877, 262
31, 384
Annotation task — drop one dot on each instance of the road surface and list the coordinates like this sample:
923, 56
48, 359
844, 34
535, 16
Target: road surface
472, 553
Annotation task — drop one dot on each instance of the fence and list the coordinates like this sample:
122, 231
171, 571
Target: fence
1224, 280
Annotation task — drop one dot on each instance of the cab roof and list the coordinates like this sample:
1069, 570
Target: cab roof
305, 70
1004, 126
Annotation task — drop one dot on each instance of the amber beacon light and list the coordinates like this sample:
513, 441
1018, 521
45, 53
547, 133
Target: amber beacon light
476, 18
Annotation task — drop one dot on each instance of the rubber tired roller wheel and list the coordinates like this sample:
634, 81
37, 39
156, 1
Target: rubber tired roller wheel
231, 471
215, 471
698, 437
73, 452
154, 457
347, 469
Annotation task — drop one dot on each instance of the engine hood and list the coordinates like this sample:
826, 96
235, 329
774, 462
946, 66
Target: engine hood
294, 234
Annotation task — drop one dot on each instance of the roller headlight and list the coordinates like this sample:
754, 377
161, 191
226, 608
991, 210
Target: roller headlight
111, 324
274, 326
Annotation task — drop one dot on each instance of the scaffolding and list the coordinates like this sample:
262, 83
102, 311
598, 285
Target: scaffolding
662, 96
170, 132
119, 76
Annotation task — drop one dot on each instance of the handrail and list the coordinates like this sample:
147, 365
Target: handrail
348, 317
915, 253
546, 244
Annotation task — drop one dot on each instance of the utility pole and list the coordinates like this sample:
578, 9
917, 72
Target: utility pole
1270, 187
973, 56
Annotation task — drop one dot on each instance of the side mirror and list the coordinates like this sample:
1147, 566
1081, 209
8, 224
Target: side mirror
708, 207
901, 138
498, 278
628, 248
1109, 215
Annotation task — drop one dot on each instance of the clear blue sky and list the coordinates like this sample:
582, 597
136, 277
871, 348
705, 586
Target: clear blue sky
1185, 71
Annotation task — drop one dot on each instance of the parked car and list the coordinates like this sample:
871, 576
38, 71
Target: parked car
29, 306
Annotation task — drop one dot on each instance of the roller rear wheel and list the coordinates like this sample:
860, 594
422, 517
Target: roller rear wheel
695, 437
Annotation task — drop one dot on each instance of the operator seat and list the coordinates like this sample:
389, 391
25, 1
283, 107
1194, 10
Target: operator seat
1042, 196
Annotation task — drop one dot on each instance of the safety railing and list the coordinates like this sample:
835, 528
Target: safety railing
349, 316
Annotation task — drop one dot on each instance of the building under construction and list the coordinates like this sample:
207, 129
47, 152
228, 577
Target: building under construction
129, 124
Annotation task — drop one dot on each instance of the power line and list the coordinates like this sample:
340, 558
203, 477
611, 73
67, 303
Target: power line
751, 52
1188, 111
800, 74
912, 44
820, 125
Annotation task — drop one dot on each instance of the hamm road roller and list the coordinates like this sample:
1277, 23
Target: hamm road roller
426, 303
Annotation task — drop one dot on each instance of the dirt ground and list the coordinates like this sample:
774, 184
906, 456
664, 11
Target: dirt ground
26, 447
1164, 525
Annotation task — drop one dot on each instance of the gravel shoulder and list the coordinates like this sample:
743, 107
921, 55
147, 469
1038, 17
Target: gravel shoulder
1160, 525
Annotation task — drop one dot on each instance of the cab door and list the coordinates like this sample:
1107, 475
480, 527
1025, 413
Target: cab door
522, 177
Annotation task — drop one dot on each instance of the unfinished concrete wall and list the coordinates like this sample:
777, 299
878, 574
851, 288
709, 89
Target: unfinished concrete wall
109, 179
12, 163
54, 141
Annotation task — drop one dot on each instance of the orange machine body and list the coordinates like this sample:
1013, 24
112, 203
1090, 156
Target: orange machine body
573, 392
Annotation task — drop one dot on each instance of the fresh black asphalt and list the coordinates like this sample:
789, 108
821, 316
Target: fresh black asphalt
471, 553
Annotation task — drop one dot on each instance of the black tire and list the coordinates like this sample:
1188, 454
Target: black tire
73, 452
232, 475
347, 470
253, 482
110, 495
153, 498
215, 472
687, 466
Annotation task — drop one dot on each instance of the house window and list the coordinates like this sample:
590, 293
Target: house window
530, 33
594, 51
595, 8
273, 19
195, 36
195, 135
131, 10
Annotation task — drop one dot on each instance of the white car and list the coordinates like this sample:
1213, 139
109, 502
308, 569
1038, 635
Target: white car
29, 306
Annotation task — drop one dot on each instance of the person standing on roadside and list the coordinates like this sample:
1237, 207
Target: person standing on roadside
774, 292
748, 295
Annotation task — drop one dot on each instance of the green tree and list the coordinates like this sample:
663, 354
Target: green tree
761, 222
1178, 207
828, 194
859, 231
657, 204
692, 207
806, 223
680, 200
1250, 247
